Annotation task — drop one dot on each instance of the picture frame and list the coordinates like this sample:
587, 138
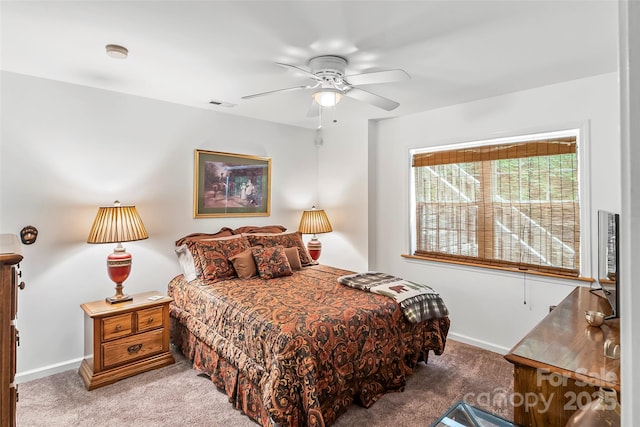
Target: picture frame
231, 185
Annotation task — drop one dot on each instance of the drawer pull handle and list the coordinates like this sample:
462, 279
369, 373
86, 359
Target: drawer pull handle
134, 348
118, 327
150, 320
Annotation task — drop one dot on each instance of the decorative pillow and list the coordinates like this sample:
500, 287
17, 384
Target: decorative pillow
214, 256
190, 240
293, 257
186, 262
271, 262
260, 229
288, 240
244, 264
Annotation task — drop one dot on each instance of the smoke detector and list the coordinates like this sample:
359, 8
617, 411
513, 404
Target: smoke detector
117, 51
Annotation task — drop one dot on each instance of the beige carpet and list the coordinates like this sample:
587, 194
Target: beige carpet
177, 396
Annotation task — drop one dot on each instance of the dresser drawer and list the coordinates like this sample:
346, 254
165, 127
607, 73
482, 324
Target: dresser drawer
117, 326
15, 336
150, 318
130, 348
13, 399
14, 292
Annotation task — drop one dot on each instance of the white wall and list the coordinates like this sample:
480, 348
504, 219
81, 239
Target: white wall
68, 149
492, 309
342, 187
629, 31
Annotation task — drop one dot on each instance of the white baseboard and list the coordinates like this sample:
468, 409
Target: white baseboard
478, 343
45, 371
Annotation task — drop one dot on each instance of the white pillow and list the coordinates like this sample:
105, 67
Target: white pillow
186, 262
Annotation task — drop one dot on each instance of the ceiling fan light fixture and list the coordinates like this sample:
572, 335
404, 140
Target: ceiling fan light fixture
327, 97
117, 51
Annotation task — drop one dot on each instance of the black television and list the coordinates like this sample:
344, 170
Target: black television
608, 258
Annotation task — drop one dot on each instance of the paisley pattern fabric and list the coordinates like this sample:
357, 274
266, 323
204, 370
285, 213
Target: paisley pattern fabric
288, 240
190, 242
298, 350
271, 262
214, 256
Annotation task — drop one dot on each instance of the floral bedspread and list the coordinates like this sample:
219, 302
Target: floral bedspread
298, 350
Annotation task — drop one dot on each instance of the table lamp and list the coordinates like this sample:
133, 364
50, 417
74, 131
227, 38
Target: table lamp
314, 222
117, 224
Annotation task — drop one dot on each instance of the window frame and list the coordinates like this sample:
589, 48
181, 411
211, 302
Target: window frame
579, 130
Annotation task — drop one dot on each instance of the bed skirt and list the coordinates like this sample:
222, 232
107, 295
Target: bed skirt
243, 389
242, 393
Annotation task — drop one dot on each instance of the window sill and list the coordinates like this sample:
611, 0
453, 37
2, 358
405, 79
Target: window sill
513, 270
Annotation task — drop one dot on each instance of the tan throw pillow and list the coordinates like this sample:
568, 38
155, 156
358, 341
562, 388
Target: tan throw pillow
244, 264
271, 262
293, 257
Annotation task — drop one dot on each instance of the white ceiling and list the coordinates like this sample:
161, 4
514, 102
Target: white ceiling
191, 52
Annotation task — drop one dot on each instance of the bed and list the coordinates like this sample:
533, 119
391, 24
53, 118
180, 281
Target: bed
292, 346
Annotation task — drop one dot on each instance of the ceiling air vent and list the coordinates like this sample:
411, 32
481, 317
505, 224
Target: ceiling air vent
221, 103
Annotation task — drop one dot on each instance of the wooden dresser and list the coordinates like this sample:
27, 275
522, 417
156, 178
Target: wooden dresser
10, 256
560, 364
125, 339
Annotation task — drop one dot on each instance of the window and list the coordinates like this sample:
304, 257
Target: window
513, 204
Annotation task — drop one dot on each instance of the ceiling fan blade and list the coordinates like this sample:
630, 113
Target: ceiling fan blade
377, 77
255, 95
372, 98
314, 109
307, 73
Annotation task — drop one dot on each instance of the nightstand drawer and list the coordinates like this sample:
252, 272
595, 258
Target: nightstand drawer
150, 318
131, 348
117, 326
125, 339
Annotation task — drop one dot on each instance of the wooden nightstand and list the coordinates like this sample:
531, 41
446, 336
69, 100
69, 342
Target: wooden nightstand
125, 339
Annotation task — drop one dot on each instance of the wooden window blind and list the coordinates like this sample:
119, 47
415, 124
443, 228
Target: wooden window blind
509, 205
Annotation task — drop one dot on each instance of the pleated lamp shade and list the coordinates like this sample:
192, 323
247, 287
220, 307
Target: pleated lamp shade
116, 224
314, 221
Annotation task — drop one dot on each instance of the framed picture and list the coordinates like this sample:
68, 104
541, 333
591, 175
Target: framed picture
227, 185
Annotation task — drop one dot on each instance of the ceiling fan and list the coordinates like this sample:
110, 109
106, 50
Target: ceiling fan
331, 84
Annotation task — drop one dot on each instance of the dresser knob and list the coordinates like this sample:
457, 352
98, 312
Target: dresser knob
118, 327
150, 320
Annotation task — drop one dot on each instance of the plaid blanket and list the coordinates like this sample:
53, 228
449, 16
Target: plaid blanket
418, 302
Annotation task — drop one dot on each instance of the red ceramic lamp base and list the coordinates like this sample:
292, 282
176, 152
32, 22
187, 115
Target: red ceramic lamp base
314, 247
119, 267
